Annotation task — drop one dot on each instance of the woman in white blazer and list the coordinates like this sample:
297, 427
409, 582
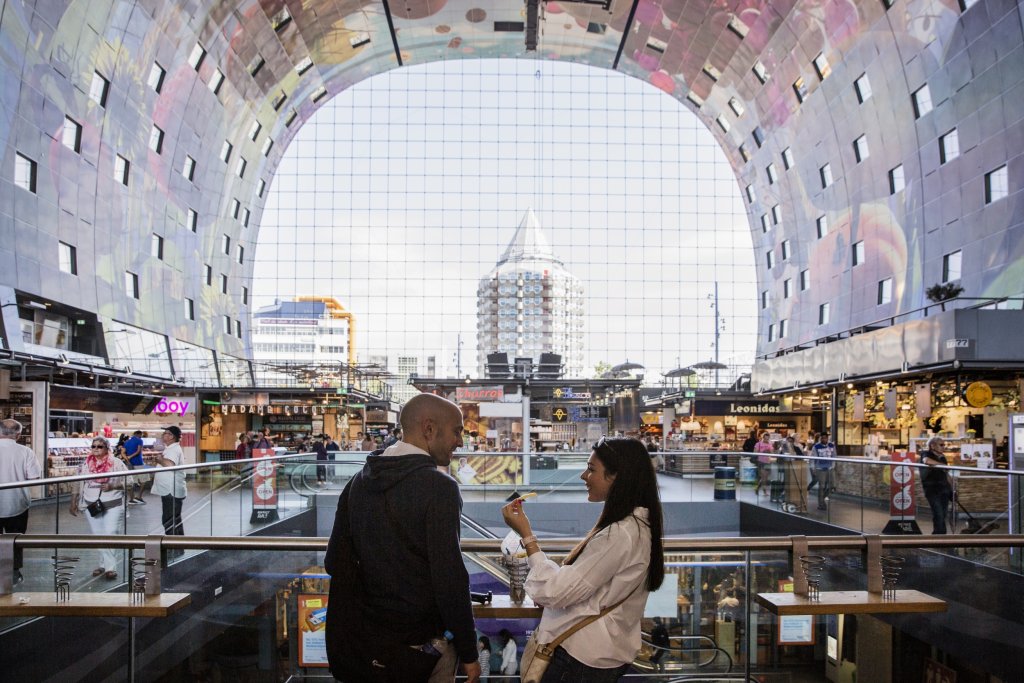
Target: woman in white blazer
621, 559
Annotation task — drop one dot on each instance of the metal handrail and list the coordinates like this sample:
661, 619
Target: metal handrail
645, 639
699, 544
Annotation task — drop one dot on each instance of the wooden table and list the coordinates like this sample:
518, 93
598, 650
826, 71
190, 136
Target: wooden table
91, 605
850, 602
502, 607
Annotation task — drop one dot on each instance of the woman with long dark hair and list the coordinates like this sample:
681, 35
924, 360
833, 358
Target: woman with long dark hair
615, 566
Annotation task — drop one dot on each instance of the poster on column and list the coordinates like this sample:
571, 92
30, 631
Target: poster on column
902, 506
264, 487
312, 630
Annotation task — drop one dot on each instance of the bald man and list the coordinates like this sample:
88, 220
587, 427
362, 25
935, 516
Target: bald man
401, 588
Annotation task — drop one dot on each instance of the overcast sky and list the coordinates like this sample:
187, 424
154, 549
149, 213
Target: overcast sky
403, 191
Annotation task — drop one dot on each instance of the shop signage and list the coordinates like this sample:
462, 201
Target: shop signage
768, 424
171, 406
251, 409
902, 506
588, 414
737, 407
312, 624
476, 394
567, 392
978, 394
264, 487
958, 343
559, 414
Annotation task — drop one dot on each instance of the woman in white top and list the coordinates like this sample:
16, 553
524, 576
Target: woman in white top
509, 653
110, 492
620, 559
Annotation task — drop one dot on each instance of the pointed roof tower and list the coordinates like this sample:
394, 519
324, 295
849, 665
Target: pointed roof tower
528, 243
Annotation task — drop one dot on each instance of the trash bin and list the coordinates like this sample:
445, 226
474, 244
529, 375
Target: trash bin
725, 483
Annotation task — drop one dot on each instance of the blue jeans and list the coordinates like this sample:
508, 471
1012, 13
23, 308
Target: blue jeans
565, 669
939, 499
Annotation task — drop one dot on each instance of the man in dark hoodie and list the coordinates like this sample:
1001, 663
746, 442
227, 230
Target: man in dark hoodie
404, 514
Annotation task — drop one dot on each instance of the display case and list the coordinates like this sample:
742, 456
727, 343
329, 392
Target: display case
966, 452
63, 458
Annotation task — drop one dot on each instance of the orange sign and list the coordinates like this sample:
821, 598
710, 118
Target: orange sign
312, 630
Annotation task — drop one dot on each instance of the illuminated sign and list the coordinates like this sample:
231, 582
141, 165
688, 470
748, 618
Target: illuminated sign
559, 414
171, 406
251, 409
475, 394
567, 392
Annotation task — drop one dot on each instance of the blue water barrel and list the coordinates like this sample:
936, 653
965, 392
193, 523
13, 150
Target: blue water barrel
725, 483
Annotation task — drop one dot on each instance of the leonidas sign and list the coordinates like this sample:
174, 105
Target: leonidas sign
477, 394
736, 408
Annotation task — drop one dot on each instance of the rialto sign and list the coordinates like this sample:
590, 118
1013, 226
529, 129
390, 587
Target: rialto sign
705, 408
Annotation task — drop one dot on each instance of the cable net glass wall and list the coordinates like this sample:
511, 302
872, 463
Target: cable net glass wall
467, 207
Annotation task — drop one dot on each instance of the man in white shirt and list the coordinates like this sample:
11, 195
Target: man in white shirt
170, 486
17, 463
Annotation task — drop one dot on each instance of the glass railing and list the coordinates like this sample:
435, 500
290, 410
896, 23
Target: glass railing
257, 609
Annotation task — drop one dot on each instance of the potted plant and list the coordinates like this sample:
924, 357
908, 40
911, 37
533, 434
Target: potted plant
939, 293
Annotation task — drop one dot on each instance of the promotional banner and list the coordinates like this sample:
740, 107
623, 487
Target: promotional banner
902, 506
312, 630
264, 487
487, 469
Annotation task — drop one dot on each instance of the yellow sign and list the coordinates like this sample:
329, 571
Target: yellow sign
559, 414
978, 394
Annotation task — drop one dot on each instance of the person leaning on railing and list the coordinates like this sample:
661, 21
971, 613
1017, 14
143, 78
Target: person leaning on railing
17, 463
102, 500
614, 568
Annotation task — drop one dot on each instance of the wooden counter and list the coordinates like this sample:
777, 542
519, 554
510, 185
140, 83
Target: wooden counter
91, 605
850, 602
503, 608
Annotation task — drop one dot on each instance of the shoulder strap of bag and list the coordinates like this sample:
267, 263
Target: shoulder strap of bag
591, 619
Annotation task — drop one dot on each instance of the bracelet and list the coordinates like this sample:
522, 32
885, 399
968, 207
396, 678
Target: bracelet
529, 539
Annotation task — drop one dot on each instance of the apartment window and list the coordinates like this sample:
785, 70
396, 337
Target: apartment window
71, 137
758, 136
858, 253
860, 148
696, 99
216, 80
764, 222
771, 332
238, 328
824, 312
268, 144
770, 258
736, 106
225, 244
764, 300
800, 88
805, 280
156, 246
191, 220
225, 151
863, 88
776, 214
821, 223
254, 130
67, 258
279, 100
131, 284
712, 72
787, 158
25, 171
825, 172
951, 266
737, 26
156, 139
188, 169
245, 296
208, 275
949, 146
922, 98
245, 218
239, 253
318, 94
821, 66
751, 195
122, 168
783, 325
896, 182
260, 187
281, 19
770, 172
195, 59
760, 71
236, 207
227, 325
190, 309
156, 77
787, 288
785, 250
240, 167
99, 89
256, 64
304, 66
997, 185
723, 123
884, 291
744, 152
223, 283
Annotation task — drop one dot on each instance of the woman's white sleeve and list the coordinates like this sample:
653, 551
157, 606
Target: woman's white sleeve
607, 554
